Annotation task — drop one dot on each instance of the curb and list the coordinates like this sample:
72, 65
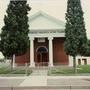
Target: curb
46, 87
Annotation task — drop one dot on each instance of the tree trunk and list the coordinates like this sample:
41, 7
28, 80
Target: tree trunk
74, 64
13, 61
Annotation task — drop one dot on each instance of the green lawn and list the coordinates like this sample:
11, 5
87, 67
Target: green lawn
4, 70
81, 70
7, 70
84, 69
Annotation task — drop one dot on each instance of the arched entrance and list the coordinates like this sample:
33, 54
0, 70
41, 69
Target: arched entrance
42, 56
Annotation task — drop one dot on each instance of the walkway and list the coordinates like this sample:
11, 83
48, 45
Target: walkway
39, 72
37, 78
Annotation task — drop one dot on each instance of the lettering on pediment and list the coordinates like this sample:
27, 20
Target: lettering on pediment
42, 32
40, 40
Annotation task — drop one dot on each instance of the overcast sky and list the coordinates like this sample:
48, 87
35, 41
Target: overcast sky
56, 8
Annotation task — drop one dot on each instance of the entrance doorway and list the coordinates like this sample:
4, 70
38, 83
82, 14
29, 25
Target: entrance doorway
42, 56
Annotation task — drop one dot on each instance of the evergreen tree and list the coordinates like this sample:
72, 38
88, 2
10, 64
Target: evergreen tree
75, 31
14, 36
87, 49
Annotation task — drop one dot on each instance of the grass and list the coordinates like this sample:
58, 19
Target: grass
7, 70
81, 70
60, 71
84, 69
4, 70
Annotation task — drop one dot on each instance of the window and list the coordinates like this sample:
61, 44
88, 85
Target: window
79, 61
85, 61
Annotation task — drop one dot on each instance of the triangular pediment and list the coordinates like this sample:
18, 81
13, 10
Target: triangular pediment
43, 21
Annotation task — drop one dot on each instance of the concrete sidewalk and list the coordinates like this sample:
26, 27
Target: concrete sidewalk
48, 82
56, 81
35, 81
68, 81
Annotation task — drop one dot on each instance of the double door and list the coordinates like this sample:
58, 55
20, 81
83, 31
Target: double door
42, 59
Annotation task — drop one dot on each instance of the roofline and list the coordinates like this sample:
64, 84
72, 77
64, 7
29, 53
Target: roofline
47, 16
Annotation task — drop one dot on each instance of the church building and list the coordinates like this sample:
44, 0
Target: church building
47, 36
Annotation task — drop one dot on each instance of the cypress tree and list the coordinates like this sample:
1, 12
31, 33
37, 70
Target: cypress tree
75, 32
87, 49
14, 36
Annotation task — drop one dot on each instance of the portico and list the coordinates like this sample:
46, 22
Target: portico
49, 35
32, 62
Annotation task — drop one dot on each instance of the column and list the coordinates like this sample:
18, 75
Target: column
32, 63
50, 51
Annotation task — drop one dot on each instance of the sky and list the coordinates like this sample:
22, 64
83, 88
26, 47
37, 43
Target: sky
55, 8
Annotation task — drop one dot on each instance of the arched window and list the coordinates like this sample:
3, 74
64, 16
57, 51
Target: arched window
42, 50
